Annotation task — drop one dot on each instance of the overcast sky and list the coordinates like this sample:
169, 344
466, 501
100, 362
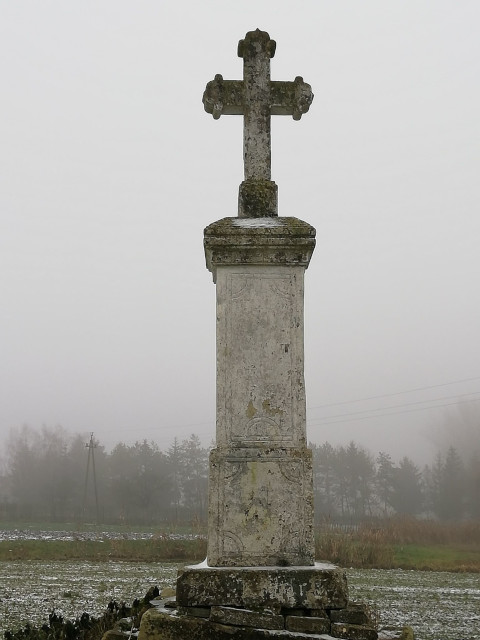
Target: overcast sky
110, 169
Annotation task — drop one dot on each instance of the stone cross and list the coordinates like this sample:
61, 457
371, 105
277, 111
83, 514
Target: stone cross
260, 579
257, 98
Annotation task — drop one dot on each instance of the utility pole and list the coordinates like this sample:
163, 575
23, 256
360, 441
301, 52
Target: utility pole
91, 446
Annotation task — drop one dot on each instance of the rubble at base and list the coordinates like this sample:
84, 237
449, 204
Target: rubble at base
165, 622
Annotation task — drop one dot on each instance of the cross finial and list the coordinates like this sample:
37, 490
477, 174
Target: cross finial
257, 98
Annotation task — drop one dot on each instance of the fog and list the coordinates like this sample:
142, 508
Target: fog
110, 169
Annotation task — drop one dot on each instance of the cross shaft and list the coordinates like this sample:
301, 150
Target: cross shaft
257, 98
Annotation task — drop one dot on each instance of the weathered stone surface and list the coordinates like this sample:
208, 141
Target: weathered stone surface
246, 618
322, 586
260, 359
261, 464
196, 612
353, 631
249, 522
353, 614
307, 624
257, 199
258, 241
160, 625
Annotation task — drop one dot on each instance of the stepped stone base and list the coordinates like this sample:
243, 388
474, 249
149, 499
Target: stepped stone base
161, 625
250, 603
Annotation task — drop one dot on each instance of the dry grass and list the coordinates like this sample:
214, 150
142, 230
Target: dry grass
160, 549
397, 543
408, 530
402, 543
362, 548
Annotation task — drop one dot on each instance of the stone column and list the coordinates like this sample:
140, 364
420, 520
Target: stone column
261, 489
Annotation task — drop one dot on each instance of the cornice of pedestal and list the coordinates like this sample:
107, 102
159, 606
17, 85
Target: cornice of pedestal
258, 241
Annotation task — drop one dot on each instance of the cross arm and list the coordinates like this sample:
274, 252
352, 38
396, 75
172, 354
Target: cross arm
290, 98
226, 97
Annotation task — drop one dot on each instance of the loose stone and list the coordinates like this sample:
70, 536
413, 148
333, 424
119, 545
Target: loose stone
246, 618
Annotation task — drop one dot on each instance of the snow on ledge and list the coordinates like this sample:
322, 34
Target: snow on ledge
318, 566
257, 222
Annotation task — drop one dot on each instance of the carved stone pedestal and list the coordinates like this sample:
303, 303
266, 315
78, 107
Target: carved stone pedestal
261, 487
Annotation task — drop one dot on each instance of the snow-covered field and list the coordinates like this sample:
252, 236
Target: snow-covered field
439, 606
29, 590
94, 534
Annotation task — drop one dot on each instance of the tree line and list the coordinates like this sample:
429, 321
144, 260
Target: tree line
53, 476
350, 484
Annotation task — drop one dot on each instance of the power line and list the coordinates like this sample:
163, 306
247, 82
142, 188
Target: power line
327, 421
349, 416
400, 406
396, 393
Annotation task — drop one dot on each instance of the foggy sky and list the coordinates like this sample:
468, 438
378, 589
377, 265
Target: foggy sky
110, 169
